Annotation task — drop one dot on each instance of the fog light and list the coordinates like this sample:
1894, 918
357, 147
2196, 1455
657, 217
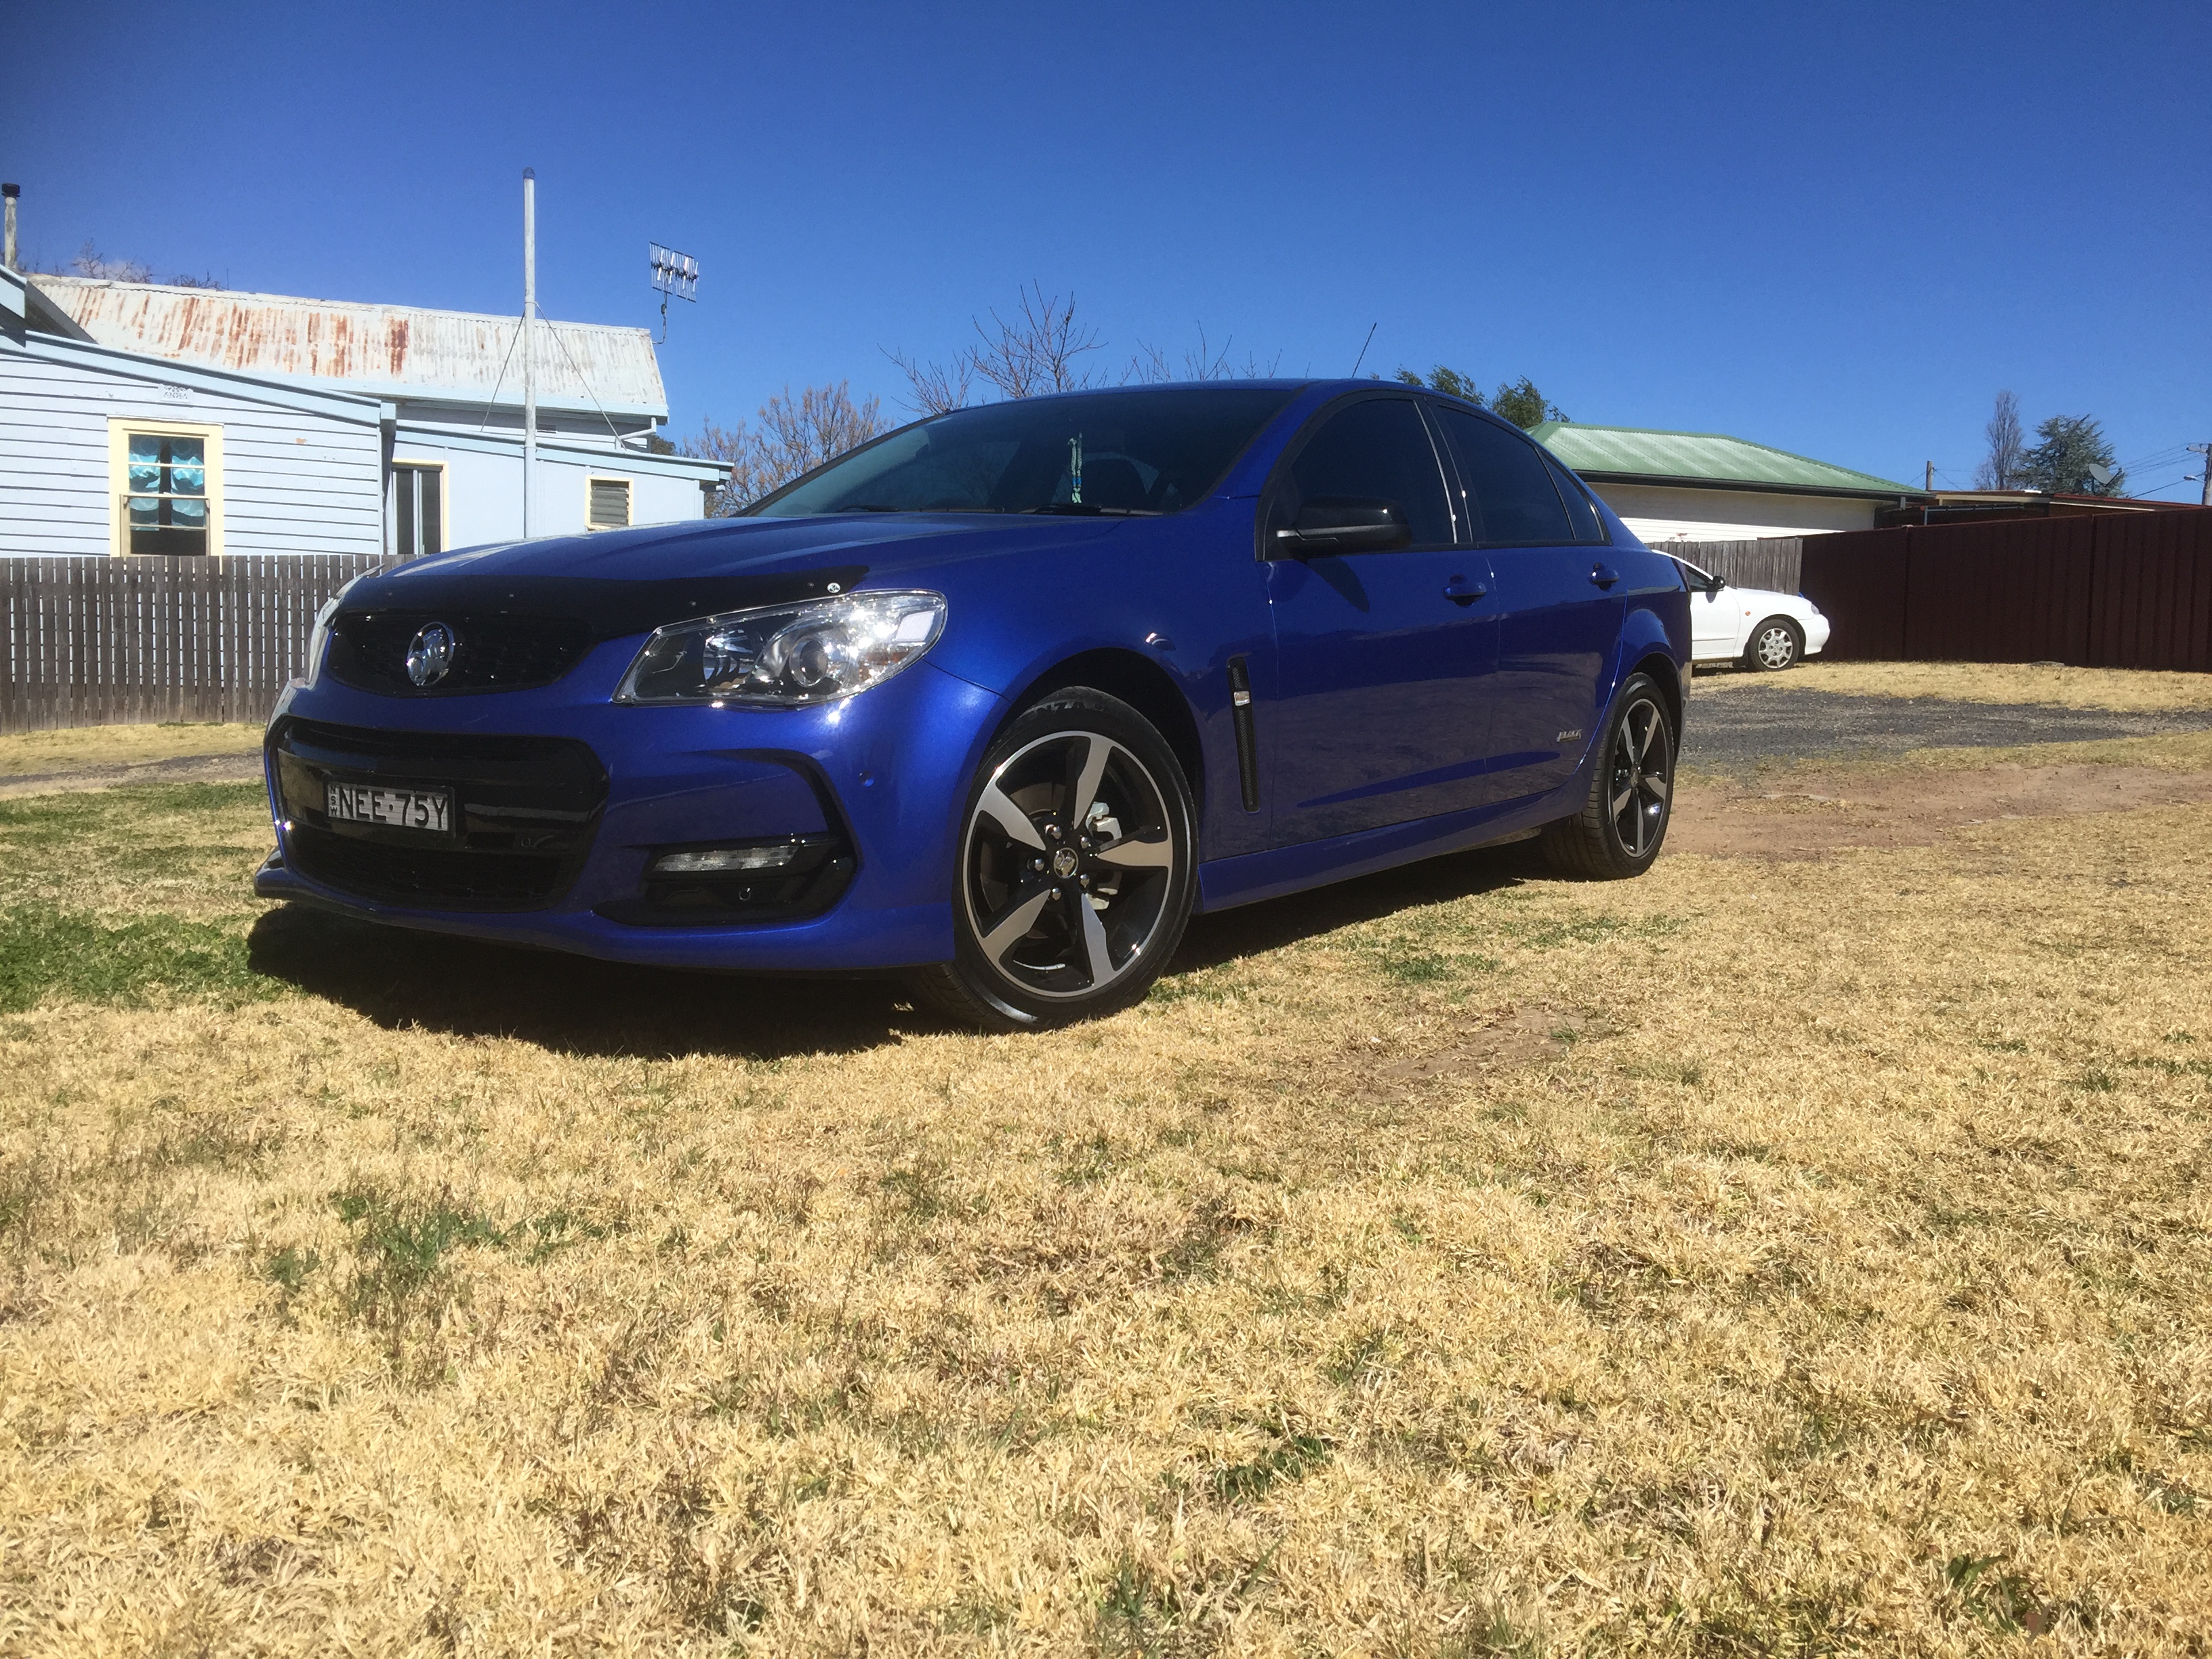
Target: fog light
723, 861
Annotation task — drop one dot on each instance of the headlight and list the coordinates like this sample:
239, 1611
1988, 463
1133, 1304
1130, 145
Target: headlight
786, 656
319, 640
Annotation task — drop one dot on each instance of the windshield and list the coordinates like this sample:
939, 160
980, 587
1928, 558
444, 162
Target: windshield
1154, 449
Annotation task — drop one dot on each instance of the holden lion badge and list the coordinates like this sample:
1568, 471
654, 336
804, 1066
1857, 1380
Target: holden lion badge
430, 654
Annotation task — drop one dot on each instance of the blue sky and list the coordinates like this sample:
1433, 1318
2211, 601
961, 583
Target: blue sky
1839, 230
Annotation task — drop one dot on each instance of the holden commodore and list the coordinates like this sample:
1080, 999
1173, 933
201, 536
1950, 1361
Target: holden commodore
999, 700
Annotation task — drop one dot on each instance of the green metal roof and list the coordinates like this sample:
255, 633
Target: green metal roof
1629, 454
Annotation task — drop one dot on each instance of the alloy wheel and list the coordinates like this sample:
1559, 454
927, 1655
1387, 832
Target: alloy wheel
1067, 863
1642, 772
1777, 647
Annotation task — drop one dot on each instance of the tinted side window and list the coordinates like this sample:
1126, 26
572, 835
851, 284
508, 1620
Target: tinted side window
1582, 517
1378, 449
1514, 498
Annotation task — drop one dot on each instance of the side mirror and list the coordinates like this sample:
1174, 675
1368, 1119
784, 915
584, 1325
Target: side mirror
1345, 523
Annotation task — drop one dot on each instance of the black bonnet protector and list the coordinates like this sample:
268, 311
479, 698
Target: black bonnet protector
609, 607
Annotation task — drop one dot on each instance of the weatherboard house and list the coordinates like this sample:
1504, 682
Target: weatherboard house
1706, 486
139, 418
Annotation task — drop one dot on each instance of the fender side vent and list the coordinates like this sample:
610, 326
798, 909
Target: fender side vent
1248, 743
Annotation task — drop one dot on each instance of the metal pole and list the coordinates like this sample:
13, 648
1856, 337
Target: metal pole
2205, 450
529, 340
8, 252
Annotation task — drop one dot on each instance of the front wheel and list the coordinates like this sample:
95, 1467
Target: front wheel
1632, 791
1076, 870
1776, 644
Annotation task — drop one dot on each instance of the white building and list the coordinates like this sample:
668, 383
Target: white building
143, 417
1706, 486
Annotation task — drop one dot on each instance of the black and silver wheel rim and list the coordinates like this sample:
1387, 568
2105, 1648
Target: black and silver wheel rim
1643, 770
1067, 866
1777, 647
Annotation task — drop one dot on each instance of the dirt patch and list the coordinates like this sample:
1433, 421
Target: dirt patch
185, 769
2123, 690
77, 748
1810, 813
1761, 726
1508, 1035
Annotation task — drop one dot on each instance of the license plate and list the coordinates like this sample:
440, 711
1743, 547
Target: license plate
396, 808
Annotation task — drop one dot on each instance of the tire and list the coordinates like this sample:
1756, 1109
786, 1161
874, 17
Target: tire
1776, 644
1623, 822
1034, 946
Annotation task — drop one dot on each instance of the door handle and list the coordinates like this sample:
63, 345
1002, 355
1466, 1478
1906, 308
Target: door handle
1604, 574
1461, 592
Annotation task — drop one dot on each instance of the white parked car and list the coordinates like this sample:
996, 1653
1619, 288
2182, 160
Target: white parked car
1754, 626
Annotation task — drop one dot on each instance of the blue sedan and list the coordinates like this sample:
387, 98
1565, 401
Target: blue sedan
1000, 699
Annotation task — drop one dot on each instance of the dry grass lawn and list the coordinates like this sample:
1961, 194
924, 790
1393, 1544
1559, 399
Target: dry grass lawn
33, 753
2125, 690
1759, 1258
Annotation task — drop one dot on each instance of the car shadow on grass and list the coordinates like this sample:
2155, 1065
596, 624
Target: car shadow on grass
1253, 930
402, 979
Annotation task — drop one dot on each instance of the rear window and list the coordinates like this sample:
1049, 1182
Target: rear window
1581, 516
1514, 498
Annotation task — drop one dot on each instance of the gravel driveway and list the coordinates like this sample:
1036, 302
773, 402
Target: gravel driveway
1746, 725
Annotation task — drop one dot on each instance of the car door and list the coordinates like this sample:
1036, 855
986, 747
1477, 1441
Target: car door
1715, 623
1383, 659
1559, 620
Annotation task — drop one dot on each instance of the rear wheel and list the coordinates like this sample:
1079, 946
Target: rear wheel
1631, 794
1075, 872
1776, 644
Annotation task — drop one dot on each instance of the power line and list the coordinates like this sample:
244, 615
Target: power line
2144, 494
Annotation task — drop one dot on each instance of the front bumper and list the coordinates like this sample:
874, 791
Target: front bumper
1816, 634
883, 774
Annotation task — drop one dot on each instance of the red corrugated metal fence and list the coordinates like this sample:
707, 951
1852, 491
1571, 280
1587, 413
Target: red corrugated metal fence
2129, 590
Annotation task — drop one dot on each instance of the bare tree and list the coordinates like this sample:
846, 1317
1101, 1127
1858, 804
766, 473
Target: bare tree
795, 435
937, 388
90, 261
1039, 350
734, 447
1033, 352
2005, 467
1200, 362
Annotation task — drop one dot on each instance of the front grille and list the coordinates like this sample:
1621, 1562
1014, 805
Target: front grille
491, 652
524, 812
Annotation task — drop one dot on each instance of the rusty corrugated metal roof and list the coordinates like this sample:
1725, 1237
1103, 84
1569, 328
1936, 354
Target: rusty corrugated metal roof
455, 356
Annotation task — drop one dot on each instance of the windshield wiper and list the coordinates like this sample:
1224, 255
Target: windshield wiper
1085, 510
868, 507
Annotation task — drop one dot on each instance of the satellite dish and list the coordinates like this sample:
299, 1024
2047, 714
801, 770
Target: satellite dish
2103, 474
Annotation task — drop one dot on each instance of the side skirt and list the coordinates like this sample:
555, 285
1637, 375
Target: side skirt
1227, 882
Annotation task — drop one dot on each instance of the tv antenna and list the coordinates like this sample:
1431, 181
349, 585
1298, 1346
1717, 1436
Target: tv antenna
672, 273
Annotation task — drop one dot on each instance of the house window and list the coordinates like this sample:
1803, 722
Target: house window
610, 506
167, 483
418, 509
